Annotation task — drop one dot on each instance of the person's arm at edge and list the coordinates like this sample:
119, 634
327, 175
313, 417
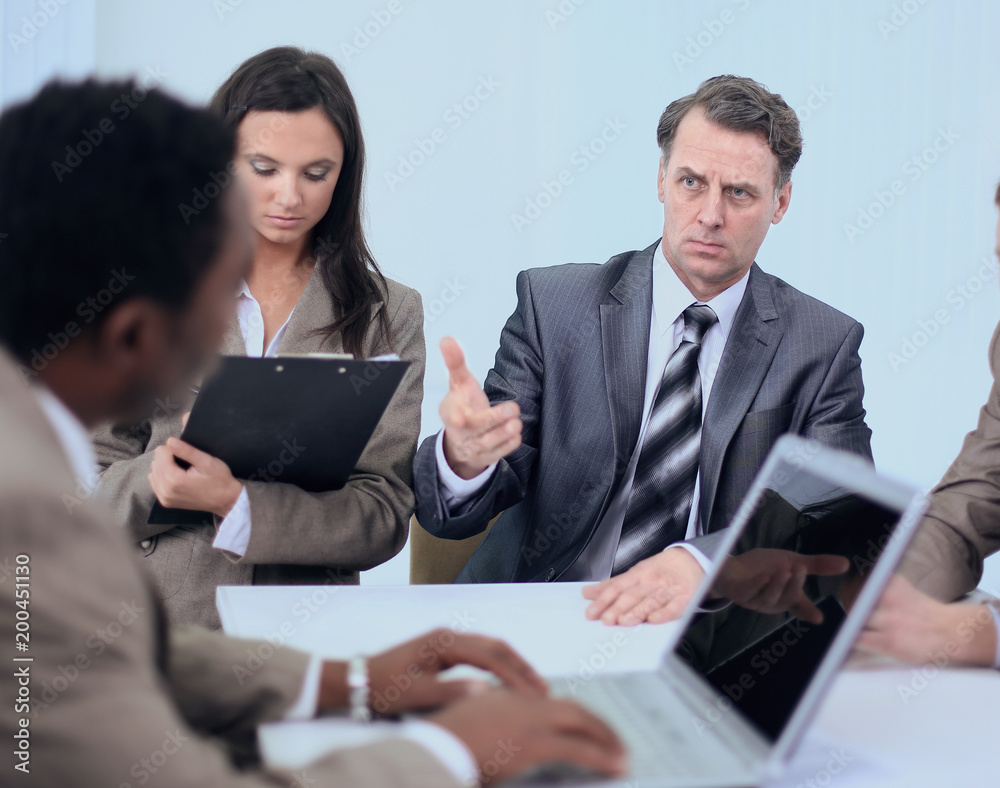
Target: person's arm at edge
962, 524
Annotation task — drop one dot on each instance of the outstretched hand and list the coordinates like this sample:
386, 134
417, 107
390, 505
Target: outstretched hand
476, 434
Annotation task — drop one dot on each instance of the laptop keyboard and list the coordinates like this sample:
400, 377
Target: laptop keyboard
654, 722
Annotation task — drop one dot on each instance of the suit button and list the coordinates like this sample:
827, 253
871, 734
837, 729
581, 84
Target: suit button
145, 544
550, 574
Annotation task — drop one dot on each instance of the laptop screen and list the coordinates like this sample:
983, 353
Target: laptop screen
803, 519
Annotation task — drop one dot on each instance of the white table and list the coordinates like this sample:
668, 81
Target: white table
869, 731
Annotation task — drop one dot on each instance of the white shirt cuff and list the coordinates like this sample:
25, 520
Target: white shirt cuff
234, 530
305, 706
698, 555
442, 744
454, 489
996, 623
709, 605
445, 746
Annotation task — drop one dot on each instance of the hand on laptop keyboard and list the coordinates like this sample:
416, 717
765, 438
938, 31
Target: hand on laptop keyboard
509, 734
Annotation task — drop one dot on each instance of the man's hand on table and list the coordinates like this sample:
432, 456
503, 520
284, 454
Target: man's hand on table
657, 589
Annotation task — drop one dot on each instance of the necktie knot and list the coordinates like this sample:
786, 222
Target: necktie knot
698, 318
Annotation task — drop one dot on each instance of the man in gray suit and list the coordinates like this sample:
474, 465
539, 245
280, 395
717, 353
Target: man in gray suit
631, 403
109, 300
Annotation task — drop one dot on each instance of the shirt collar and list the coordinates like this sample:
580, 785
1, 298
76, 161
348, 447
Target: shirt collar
72, 435
671, 297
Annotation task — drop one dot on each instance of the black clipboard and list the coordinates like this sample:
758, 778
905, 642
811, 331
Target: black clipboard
304, 420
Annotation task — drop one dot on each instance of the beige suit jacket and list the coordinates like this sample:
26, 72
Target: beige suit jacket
297, 537
962, 525
102, 713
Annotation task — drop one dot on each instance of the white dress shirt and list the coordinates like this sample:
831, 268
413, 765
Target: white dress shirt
233, 535
444, 746
666, 329
72, 436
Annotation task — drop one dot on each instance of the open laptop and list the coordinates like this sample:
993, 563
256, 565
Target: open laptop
738, 688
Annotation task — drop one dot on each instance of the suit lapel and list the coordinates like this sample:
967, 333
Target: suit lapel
313, 311
625, 317
233, 344
307, 315
22, 421
746, 358
25, 426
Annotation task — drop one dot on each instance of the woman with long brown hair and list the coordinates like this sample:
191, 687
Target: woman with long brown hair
313, 286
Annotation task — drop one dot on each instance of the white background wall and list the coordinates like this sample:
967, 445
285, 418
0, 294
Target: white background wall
877, 84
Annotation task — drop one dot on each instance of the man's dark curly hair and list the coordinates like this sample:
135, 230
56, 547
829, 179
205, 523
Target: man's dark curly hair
92, 178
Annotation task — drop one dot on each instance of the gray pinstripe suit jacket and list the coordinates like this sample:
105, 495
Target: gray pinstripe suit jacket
573, 356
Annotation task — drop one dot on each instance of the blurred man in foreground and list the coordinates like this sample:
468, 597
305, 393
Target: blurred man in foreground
110, 299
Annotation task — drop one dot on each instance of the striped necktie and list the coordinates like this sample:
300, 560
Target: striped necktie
659, 504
